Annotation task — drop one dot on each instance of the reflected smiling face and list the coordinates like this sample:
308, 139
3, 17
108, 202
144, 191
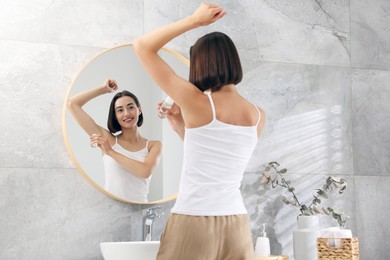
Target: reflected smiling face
127, 112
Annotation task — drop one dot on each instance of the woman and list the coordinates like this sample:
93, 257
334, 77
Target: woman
220, 130
129, 158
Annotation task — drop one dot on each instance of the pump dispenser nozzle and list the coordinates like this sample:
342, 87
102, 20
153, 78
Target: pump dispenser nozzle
262, 247
262, 231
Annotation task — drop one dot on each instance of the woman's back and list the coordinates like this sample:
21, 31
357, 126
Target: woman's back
231, 108
215, 157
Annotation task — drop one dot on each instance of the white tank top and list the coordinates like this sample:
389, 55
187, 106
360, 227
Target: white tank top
214, 161
123, 183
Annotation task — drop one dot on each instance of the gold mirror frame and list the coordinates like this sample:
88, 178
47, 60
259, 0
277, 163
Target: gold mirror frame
66, 136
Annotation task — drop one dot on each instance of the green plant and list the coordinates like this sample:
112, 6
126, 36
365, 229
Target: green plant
272, 176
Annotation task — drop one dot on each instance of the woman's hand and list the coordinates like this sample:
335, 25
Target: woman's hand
208, 13
99, 140
110, 85
174, 117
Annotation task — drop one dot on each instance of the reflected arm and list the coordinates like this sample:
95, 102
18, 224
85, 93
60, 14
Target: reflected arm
137, 168
75, 105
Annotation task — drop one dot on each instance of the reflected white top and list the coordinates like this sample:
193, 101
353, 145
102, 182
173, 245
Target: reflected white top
215, 158
123, 183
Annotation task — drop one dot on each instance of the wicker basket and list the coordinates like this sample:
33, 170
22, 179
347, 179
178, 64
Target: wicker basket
349, 249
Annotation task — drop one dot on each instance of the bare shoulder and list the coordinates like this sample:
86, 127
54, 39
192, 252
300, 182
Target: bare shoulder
198, 111
155, 144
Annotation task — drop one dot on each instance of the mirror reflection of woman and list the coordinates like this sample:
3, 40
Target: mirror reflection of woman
129, 158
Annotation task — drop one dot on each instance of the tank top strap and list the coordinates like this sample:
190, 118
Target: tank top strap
147, 144
212, 104
116, 139
258, 110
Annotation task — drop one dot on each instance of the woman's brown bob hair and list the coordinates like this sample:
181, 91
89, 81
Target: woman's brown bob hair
112, 122
214, 62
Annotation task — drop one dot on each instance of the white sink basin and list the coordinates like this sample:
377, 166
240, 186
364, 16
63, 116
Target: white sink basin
134, 250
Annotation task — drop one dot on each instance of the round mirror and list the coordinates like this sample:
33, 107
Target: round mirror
121, 64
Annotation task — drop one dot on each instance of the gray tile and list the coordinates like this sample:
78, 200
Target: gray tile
370, 40
310, 32
55, 214
35, 78
372, 211
304, 32
308, 108
371, 122
84, 23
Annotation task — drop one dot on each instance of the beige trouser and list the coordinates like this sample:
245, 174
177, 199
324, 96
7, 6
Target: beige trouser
206, 238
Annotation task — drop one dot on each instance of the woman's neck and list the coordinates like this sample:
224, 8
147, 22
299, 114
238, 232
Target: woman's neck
229, 88
131, 135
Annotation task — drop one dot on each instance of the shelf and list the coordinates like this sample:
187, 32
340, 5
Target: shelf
273, 257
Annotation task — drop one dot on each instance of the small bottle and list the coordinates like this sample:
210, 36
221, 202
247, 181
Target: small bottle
262, 247
167, 104
94, 144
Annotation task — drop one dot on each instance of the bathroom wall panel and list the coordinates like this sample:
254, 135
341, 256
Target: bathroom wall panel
35, 78
371, 122
370, 38
372, 216
85, 23
56, 214
309, 32
308, 128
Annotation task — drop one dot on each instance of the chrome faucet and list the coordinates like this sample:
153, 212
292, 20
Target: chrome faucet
148, 218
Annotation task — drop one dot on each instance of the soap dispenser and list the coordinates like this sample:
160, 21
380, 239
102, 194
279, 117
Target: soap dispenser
262, 247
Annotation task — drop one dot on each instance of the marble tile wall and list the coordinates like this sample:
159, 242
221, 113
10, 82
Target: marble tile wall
370, 26
49, 213
372, 211
320, 69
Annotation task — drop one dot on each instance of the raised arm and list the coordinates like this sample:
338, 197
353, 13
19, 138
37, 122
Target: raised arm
146, 47
76, 103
